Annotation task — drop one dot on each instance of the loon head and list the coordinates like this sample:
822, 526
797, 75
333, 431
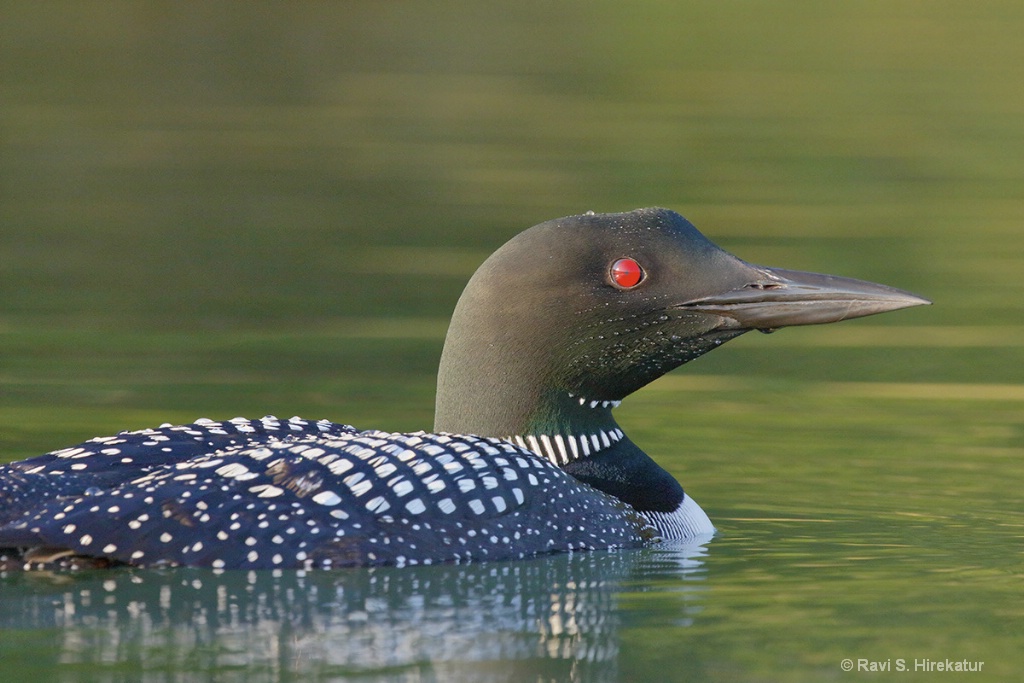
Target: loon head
574, 314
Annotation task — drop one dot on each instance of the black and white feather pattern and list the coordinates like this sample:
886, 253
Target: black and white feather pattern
294, 493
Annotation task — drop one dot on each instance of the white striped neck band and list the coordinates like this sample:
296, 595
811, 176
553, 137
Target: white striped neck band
594, 404
561, 449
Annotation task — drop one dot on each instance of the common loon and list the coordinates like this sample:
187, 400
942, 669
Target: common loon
551, 333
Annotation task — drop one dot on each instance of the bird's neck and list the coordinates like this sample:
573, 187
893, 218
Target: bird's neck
565, 427
580, 435
502, 379
487, 391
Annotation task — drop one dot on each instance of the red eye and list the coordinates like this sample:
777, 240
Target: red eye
627, 273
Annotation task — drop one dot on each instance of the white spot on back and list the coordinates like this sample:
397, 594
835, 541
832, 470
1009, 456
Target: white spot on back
402, 488
267, 490
328, 498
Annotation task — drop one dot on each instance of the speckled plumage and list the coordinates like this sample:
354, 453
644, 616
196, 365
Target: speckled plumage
268, 493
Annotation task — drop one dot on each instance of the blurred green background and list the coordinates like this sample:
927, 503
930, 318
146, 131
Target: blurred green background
214, 208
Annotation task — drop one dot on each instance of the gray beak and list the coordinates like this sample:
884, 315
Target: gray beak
780, 298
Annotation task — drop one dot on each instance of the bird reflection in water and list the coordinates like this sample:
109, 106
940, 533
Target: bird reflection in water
552, 618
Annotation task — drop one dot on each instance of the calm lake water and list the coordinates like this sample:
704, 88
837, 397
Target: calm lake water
211, 210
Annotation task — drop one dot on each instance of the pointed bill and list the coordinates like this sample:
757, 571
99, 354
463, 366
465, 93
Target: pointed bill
782, 298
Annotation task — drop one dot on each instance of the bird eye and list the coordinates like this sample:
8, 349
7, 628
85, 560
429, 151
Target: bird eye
626, 273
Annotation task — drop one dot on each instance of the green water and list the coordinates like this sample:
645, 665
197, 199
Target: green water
212, 209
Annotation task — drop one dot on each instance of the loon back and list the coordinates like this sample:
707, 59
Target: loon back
269, 493
551, 333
